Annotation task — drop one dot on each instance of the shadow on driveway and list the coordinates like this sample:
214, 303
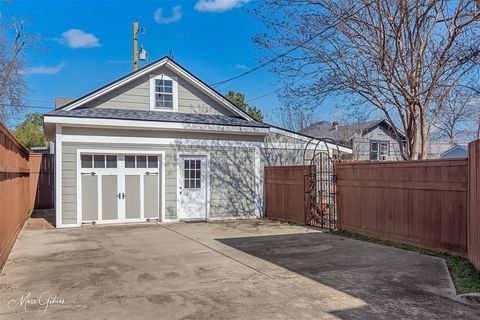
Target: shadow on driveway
395, 284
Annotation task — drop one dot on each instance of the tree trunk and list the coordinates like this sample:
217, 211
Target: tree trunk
412, 138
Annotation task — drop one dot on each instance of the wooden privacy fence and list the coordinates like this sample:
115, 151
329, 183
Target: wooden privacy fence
284, 193
14, 190
419, 202
26, 182
473, 220
42, 182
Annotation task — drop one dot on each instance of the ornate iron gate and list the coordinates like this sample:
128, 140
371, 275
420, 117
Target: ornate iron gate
320, 183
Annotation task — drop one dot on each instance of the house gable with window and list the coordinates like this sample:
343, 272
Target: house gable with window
160, 144
372, 140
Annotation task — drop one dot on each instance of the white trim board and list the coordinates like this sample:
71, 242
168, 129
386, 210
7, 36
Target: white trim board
307, 139
170, 64
153, 93
185, 142
58, 176
158, 125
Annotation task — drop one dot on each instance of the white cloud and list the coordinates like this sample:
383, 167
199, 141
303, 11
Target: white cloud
76, 38
44, 69
241, 67
218, 5
176, 15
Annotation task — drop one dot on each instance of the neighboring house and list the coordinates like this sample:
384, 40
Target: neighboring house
372, 140
161, 144
446, 150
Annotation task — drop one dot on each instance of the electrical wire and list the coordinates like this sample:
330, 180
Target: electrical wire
264, 64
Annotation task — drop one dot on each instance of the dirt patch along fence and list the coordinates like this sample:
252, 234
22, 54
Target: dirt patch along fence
418, 202
473, 221
14, 190
285, 193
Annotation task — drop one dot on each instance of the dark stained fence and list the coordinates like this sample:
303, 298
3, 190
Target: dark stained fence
418, 202
285, 193
14, 190
473, 233
42, 182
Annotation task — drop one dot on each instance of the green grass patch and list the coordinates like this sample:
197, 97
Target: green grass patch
465, 277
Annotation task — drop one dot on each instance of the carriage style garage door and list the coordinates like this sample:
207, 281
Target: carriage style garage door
119, 187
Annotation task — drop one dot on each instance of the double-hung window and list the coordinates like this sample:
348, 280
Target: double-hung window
163, 93
379, 150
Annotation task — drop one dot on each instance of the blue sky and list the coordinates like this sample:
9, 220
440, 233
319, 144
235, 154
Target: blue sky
80, 39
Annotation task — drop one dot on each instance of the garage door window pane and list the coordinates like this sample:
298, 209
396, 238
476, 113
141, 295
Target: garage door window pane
111, 161
99, 161
152, 161
141, 161
86, 160
129, 161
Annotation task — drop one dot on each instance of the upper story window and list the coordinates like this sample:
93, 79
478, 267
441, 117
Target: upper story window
163, 93
379, 150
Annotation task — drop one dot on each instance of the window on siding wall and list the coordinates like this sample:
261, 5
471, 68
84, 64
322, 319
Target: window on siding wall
379, 150
163, 93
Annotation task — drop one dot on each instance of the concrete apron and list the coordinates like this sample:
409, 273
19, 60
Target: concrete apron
230, 270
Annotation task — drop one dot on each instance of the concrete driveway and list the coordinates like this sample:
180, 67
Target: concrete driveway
230, 270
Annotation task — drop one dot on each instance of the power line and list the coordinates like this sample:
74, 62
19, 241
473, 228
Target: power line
291, 50
281, 88
26, 106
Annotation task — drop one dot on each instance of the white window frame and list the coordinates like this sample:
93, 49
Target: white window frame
378, 152
174, 93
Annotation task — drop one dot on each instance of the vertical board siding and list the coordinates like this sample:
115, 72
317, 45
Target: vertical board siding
285, 193
14, 190
419, 202
474, 203
42, 181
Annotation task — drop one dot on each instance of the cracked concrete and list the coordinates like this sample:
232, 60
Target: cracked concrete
229, 270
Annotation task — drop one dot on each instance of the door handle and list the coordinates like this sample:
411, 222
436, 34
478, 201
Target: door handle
123, 195
119, 195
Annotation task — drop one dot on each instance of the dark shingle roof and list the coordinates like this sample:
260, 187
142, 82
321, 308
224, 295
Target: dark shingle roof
156, 116
325, 129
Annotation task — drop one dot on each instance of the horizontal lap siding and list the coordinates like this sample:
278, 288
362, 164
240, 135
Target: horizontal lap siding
422, 202
69, 176
232, 179
232, 182
136, 96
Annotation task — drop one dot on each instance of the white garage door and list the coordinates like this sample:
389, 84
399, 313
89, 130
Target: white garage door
119, 187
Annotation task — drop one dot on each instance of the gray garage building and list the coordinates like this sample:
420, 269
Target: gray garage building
161, 144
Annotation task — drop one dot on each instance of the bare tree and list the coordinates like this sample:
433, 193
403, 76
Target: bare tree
14, 42
459, 119
294, 118
402, 57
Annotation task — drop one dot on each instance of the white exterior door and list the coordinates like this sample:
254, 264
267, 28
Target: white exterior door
192, 187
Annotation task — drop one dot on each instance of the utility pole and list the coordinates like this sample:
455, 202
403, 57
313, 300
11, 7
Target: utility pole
135, 45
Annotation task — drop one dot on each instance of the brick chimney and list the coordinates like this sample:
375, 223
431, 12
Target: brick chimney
60, 101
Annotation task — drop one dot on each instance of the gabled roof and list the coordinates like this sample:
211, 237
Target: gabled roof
173, 66
123, 114
341, 133
455, 147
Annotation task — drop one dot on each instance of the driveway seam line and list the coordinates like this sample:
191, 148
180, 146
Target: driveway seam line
215, 250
